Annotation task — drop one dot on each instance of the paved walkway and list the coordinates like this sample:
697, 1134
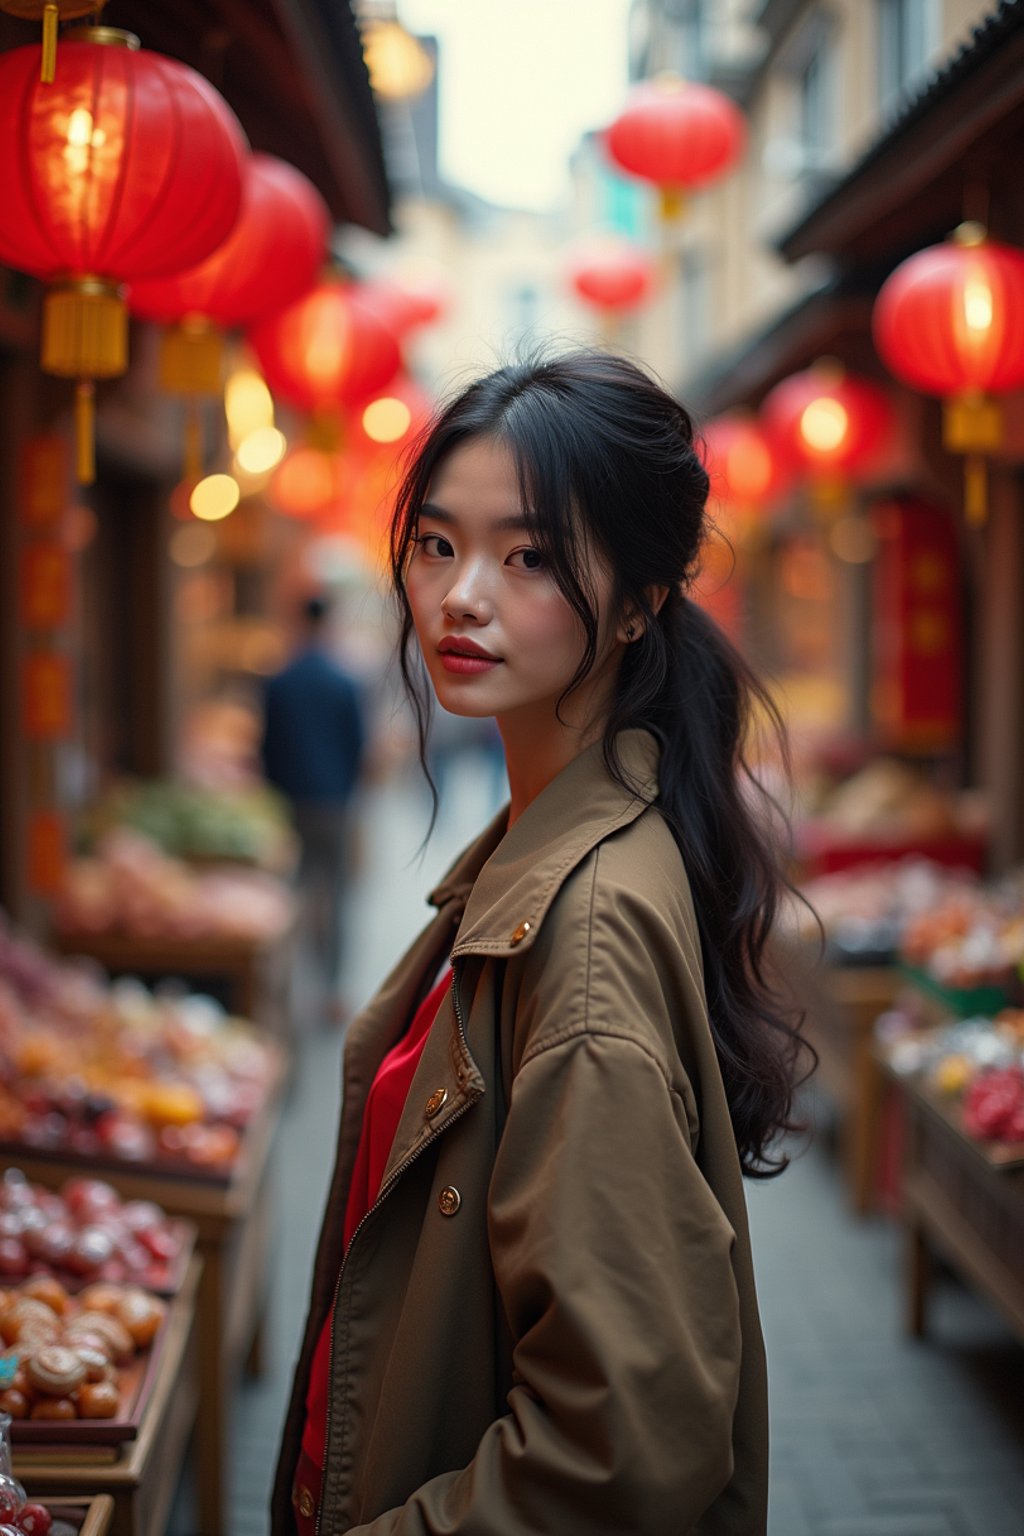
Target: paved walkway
873, 1434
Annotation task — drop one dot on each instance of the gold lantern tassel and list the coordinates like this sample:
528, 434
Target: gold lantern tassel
975, 490
193, 458
85, 450
51, 16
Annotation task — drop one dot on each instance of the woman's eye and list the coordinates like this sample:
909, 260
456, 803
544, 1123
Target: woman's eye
526, 559
434, 544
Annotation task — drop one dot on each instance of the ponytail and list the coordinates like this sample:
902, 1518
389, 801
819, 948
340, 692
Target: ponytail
687, 683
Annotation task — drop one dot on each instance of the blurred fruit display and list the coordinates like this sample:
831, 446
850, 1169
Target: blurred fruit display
865, 910
130, 886
975, 1069
115, 1074
82, 1234
883, 811
250, 825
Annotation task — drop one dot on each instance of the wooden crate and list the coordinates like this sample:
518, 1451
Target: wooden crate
139, 1478
233, 1220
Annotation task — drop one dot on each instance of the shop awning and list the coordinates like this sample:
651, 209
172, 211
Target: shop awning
292, 70
941, 159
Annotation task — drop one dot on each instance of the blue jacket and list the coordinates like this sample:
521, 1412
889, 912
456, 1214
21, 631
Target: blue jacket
313, 730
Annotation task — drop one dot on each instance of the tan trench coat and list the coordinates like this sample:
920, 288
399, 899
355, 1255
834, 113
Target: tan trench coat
547, 1322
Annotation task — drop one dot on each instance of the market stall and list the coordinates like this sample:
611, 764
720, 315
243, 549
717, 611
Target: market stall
177, 1104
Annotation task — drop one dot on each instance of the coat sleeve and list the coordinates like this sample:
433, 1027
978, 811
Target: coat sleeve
613, 1262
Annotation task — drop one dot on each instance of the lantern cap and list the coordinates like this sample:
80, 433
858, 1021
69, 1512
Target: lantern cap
970, 232
106, 37
829, 371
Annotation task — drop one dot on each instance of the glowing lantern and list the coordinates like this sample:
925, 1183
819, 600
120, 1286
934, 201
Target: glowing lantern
398, 65
129, 165
308, 483
950, 321
51, 13
746, 468
678, 134
392, 419
407, 301
272, 256
834, 424
327, 350
612, 274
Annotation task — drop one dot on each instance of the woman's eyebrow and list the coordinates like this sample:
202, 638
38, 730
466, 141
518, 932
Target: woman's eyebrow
514, 523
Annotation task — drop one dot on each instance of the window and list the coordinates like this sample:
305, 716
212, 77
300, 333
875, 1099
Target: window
906, 40
816, 96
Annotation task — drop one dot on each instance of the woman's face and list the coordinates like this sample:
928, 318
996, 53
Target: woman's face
497, 635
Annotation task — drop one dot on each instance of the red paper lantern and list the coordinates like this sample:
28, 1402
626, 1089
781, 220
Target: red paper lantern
129, 165
677, 133
612, 274
407, 302
744, 464
327, 350
746, 469
271, 257
832, 423
308, 483
950, 321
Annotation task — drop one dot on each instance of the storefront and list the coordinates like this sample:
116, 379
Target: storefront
90, 667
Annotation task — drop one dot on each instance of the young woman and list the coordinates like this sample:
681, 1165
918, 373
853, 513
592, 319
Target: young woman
533, 1307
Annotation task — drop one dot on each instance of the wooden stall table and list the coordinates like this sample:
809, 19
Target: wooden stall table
963, 1200
842, 1003
233, 1219
139, 1477
91, 1519
253, 976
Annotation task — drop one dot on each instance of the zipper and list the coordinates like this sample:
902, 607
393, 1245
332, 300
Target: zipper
385, 1190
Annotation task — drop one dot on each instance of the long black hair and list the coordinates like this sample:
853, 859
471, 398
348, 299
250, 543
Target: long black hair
608, 460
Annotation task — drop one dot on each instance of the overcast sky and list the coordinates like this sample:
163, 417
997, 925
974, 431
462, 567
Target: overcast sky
520, 81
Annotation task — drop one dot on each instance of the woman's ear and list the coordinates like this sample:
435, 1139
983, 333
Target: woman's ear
631, 625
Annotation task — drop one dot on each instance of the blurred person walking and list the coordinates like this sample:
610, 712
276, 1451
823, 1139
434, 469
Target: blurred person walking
533, 1305
312, 749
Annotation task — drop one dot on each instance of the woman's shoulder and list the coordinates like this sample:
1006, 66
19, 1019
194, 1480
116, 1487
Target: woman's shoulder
619, 951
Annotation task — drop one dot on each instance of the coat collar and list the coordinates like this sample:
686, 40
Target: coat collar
509, 879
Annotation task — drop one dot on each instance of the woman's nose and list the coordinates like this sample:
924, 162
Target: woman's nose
468, 597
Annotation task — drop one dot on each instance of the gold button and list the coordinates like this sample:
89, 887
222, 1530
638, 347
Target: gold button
449, 1200
519, 933
307, 1506
437, 1100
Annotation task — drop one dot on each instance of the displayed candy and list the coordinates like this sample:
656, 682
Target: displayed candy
994, 1105
114, 1071
131, 886
84, 1233
70, 1371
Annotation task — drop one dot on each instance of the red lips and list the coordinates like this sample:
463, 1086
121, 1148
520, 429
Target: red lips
460, 647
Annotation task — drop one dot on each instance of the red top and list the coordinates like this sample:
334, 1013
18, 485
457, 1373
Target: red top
384, 1104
